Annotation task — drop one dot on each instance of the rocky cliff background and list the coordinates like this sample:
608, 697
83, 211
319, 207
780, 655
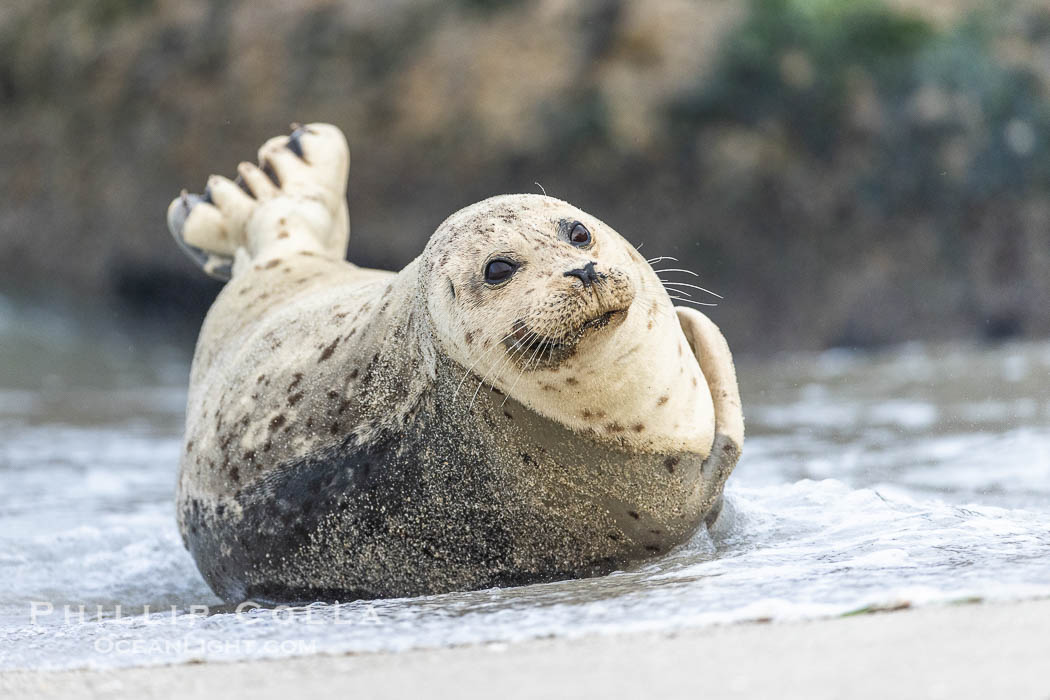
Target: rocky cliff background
844, 172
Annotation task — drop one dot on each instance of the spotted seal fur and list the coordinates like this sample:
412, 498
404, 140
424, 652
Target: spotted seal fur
520, 403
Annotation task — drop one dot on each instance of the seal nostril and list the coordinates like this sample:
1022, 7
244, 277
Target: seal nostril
586, 274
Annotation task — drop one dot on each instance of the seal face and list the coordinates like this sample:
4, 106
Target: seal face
521, 403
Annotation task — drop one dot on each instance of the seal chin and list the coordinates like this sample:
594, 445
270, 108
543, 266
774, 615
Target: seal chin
536, 351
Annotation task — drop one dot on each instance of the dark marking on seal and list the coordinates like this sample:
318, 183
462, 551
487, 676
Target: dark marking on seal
277, 421
272, 264
295, 398
633, 514
670, 463
328, 350
296, 378
638, 427
662, 400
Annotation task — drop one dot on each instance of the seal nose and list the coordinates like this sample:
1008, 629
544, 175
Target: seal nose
586, 274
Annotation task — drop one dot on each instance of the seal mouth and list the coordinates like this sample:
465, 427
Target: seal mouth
535, 350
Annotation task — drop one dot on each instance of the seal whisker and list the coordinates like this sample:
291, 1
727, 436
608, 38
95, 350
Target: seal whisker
659, 258
521, 370
509, 358
480, 358
675, 269
491, 370
675, 295
690, 301
691, 286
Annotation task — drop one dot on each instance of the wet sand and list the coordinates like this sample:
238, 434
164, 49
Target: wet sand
993, 650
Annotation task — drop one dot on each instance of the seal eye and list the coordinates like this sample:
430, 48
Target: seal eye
499, 270
579, 236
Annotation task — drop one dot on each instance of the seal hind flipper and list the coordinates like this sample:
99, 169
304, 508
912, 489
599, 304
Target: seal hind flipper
213, 264
294, 200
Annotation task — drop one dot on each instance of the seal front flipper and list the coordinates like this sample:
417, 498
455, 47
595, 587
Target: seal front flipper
716, 362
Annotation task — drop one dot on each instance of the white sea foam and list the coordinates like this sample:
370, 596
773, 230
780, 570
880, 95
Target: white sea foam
850, 497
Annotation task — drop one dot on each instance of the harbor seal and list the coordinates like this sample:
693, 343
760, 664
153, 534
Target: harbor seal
521, 403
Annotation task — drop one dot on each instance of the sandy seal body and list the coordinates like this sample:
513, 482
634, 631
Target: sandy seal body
521, 403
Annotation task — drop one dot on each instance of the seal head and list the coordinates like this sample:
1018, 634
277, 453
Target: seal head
549, 305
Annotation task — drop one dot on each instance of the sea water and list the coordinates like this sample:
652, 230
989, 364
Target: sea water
914, 476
